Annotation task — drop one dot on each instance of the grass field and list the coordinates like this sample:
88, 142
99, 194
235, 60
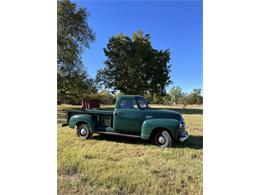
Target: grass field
117, 165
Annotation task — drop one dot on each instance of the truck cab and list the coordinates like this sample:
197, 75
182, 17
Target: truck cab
131, 117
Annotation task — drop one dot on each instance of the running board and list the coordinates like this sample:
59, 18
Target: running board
118, 134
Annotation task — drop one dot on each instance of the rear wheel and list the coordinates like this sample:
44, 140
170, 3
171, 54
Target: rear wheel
83, 131
162, 139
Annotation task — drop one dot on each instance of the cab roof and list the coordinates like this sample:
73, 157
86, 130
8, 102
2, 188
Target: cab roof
129, 96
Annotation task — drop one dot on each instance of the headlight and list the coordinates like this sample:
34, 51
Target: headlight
182, 124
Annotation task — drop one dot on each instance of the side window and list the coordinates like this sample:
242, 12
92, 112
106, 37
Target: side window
127, 104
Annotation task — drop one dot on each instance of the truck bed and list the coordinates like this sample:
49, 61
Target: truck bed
91, 111
103, 117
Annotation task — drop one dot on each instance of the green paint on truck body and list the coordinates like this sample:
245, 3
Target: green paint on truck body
82, 118
131, 116
149, 125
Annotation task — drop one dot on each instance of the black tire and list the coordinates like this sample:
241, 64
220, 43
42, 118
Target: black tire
83, 131
162, 139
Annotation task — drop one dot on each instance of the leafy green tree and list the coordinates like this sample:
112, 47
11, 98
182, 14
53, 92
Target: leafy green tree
73, 32
73, 35
133, 66
183, 98
176, 94
74, 83
195, 97
166, 99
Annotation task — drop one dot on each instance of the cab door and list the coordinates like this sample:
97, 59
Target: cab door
128, 118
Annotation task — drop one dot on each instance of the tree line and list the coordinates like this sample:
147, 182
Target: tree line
132, 65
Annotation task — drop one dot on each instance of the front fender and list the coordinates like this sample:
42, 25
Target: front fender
152, 124
84, 118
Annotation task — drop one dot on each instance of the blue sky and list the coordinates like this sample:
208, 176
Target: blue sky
176, 25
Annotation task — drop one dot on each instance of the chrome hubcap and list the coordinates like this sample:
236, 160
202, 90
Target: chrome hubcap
83, 132
161, 140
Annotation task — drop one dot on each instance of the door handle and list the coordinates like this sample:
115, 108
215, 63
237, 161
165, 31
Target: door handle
117, 113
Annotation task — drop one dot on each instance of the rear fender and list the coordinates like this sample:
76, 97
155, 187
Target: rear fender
152, 124
83, 118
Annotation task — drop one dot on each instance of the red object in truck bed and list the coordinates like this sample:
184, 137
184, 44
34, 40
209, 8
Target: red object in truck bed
89, 104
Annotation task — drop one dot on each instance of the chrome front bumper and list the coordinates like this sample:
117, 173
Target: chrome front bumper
183, 136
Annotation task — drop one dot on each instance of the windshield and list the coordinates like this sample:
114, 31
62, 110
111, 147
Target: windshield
142, 102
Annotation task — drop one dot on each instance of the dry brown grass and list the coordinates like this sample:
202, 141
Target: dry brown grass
114, 165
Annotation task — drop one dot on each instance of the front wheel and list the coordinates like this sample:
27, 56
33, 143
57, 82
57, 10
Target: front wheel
83, 131
162, 139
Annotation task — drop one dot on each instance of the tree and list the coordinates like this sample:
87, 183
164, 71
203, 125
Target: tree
73, 32
195, 97
133, 66
176, 94
166, 99
73, 36
74, 82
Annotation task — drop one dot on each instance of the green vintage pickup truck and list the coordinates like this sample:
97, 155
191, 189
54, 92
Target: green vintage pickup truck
132, 117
